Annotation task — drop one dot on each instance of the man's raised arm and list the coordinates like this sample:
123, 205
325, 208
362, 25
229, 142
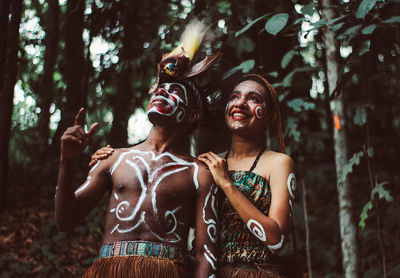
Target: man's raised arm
71, 206
206, 230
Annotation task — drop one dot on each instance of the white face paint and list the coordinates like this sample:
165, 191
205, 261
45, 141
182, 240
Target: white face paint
257, 229
211, 223
173, 104
155, 177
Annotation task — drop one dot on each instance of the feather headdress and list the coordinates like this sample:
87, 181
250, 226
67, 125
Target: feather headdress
178, 64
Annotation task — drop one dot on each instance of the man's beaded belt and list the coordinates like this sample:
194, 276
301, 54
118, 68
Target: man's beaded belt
142, 248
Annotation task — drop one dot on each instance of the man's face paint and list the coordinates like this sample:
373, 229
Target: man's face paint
169, 99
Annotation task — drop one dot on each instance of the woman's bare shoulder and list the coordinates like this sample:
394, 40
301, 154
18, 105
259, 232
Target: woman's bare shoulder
277, 159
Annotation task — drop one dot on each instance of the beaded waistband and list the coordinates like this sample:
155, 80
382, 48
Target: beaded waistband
142, 248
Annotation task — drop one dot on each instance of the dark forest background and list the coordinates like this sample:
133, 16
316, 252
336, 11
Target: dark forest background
335, 65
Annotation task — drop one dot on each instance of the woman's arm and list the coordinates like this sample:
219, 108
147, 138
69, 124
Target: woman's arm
271, 229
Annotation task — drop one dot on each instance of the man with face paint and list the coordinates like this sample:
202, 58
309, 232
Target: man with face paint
157, 190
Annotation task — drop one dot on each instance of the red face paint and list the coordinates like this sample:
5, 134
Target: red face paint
259, 111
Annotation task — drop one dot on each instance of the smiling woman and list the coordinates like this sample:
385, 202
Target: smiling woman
256, 206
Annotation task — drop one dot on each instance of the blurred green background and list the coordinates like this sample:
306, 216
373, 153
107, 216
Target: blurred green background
57, 56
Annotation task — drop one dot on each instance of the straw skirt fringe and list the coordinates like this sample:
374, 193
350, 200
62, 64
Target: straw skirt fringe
232, 272
132, 267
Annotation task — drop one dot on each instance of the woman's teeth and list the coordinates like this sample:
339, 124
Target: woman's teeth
238, 115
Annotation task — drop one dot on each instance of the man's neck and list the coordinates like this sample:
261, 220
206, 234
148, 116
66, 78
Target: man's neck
166, 139
246, 146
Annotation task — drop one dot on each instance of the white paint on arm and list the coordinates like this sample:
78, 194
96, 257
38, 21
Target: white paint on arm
257, 229
210, 257
291, 185
211, 222
277, 246
86, 184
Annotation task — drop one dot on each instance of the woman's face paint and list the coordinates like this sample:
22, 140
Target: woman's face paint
259, 111
246, 105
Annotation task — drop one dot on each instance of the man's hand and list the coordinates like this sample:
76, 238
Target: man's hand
101, 154
75, 138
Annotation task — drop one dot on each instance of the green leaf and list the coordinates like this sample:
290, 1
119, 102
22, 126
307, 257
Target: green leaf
337, 19
360, 118
57, 76
393, 19
287, 81
364, 8
273, 74
348, 167
245, 44
309, 9
249, 25
287, 58
244, 67
382, 192
299, 105
369, 29
276, 23
336, 27
350, 32
247, 66
364, 214
370, 152
365, 47
291, 128
224, 7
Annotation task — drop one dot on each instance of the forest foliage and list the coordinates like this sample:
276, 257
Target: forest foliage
60, 55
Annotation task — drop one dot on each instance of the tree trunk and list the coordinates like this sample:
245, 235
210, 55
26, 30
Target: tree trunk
7, 94
348, 227
75, 67
5, 6
122, 102
47, 84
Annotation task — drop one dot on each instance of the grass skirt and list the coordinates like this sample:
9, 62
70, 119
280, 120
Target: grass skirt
132, 267
250, 271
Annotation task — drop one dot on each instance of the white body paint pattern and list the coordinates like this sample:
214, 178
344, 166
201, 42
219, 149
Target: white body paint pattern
277, 246
86, 184
210, 257
211, 223
291, 185
131, 158
257, 229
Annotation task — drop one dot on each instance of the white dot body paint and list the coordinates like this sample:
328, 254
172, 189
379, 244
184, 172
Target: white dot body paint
257, 229
132, 158
259, 111
277, 246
